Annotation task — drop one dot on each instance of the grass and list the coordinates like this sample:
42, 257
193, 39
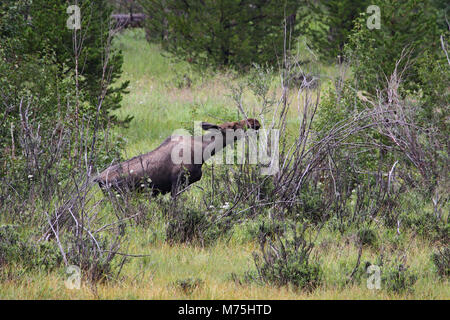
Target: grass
160, 103
156, 100
156, 276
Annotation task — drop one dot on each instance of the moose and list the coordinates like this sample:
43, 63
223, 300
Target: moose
157, 169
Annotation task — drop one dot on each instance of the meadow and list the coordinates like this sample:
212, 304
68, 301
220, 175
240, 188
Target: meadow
165, 95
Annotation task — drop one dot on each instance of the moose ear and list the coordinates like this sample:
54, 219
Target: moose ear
208, 126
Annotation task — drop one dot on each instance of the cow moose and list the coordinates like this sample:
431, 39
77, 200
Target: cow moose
157, 170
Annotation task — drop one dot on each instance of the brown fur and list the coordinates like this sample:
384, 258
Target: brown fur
156, 170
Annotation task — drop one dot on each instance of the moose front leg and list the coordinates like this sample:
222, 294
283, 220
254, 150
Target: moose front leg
181, 182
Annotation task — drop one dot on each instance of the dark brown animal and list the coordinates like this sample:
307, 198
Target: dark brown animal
157, 170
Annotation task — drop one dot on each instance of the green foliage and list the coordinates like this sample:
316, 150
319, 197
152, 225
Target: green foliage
443, 12
407, 46
191, 225
441, 260
18, 250
406, 24
93, 256
287, 260
49, 99
433, 71
397, 278
33, 30
415, 216
188, 285
428, 226
336, 105
367, 237
37, 45
148, 277
222, 33
329, 23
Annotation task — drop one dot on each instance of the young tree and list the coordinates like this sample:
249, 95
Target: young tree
56, 76
34, 29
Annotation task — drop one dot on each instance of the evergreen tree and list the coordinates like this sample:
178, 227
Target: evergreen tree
37, 30
222, 32
329, 23
405, 24
37, 76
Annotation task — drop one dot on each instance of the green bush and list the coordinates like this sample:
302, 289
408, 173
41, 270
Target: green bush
374, 53
18, 249
441, 260
341, 103
95, 257
188, 285
31, 30
287, 261
367, 237
191, 225
398, 278
427, 225
329, 24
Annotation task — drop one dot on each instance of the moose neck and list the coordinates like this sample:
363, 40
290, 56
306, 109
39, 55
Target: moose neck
213, 143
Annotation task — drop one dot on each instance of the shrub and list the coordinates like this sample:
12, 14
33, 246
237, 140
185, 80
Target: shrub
248, 277
37, 30
94, 256
189, 285
332, 23
18, 249
367, 236
374, 53
186, 226
441, 260
44, 122
398, 278
191, 225
287, 261
427, 225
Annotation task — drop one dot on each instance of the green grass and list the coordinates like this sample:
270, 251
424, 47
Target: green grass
159, 106
155, 276
157, 103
